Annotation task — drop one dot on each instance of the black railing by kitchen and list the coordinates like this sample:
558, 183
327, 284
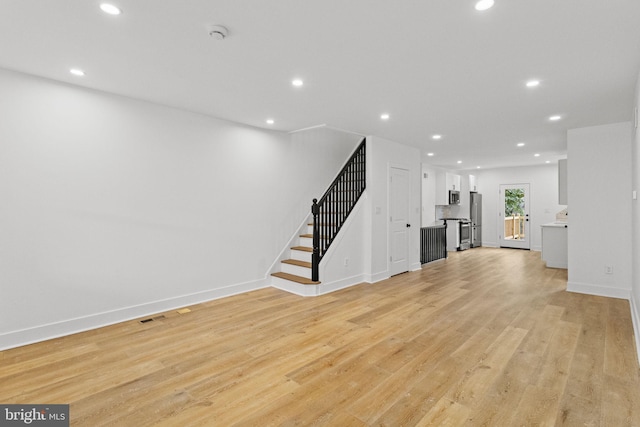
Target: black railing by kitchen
433, 243
333, 208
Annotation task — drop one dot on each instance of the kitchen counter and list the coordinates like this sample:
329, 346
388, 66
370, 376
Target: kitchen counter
554, 244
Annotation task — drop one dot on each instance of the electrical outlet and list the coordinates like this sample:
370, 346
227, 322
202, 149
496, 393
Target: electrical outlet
346, 262
608, 269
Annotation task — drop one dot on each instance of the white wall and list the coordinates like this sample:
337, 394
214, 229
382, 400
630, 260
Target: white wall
344, 263
599, 189
381, 155
317, 154
543, 198
428, 188
114, 208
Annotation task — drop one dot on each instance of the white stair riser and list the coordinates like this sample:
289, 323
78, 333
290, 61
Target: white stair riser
301, 255
296, 269
296, 288
309, 229
306, 241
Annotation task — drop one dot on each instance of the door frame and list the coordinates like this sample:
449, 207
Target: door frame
407, 169
514, 244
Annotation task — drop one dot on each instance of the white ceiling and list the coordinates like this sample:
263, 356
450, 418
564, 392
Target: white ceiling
436, 66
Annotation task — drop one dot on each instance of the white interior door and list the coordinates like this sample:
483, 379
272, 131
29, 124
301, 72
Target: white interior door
399, 220
513, 216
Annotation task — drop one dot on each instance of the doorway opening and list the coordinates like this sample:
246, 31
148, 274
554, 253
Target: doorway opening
513, 216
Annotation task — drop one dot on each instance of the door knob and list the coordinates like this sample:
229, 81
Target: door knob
408, 225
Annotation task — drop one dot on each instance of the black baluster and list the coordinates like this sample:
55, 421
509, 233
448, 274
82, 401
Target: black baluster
315, 257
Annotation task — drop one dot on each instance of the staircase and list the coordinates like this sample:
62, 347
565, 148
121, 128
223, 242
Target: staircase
298, 267
328, 216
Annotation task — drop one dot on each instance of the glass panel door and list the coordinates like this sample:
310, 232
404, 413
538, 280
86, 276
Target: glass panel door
513, 216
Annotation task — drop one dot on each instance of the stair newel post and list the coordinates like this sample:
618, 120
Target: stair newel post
315, 257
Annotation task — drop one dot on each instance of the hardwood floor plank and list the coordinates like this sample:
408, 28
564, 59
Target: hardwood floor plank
556, 363
538, 340
576, 411
497, 407
538, 407
445, 413
620, 403
14, 364
476, 381
620, 358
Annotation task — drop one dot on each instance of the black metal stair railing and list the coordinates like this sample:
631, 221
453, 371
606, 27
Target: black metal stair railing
433, 243
333, 208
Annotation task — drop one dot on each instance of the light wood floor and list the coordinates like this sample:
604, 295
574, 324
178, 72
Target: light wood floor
488, 337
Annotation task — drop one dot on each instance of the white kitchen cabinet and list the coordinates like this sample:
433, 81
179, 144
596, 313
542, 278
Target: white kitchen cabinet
473, 183
452, 182
554, 245
446, 182
563, 197
453, 232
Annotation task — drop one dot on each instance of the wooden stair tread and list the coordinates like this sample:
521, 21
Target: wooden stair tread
310, 236
294, 278
297, 262
302, 248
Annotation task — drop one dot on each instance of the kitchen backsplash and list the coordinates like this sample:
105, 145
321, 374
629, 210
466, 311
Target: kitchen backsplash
447, 211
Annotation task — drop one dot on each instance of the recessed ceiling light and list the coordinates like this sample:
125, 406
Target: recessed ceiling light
555, 118
520, 144
297, 82
533, 83
548, 161
110, 9
536, 155
430, 154
270, 121
436, 137
384, 116
76, 72
477, 167
459, 161
484, 4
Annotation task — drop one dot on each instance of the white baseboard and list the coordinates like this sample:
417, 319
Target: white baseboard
341, 284
415, 266
635, 318
376, 277
602, 291
81, 324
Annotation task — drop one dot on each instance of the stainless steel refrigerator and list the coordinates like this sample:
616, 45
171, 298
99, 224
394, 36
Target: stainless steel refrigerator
476, 220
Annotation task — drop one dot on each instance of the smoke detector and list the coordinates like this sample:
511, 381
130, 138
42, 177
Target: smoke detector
218, 32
